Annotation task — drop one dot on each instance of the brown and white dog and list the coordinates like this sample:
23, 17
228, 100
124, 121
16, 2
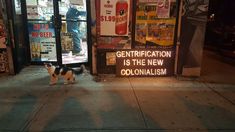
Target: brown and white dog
67, 73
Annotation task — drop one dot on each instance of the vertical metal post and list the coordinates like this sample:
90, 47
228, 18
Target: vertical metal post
89, 36
178, 36
57, 25
133, 22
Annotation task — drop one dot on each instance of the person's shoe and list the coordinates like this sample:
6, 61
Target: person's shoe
79, 54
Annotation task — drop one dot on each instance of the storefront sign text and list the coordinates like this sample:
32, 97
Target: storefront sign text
145, 63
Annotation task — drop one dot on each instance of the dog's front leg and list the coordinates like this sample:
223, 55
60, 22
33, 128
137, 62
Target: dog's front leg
53, 79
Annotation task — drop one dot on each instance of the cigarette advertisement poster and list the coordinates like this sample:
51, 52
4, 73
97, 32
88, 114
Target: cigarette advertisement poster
66, 42
154, 26
42, 41
110, 58
161, 32
141, 25
114, 17
163, 8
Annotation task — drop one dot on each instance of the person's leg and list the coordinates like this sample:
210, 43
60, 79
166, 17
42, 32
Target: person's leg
76, 43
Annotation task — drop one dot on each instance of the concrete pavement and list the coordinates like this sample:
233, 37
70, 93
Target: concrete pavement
28, 103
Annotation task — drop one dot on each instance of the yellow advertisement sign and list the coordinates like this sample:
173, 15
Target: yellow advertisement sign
161, 31
141, 24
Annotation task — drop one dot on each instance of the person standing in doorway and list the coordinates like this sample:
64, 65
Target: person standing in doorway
73, 26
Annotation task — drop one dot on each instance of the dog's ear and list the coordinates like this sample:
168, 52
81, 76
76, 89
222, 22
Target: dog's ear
47, 65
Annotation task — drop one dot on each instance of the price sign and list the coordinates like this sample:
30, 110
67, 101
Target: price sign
107, 18
114, 17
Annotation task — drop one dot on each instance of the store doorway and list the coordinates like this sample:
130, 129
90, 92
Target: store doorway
73, 31
58, 31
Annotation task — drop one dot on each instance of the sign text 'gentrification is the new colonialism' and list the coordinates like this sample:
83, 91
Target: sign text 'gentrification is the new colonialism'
145, 63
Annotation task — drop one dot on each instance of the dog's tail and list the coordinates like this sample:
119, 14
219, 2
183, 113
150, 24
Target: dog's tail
81, 70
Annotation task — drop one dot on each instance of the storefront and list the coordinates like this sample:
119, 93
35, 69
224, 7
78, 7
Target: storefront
150, 37
38, 31
136, 38
121, 37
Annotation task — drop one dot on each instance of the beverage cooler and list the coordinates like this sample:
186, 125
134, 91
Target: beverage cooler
136, 37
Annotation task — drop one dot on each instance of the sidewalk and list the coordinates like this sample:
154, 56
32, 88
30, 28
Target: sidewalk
28, 103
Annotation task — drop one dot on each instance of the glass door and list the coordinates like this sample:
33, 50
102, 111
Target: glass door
41, 30
57, 31
73, 31
16, 30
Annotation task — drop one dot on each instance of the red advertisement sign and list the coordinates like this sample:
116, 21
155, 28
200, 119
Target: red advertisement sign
114, 17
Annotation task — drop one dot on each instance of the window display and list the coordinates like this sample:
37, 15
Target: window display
42, 41
155, 24
71, 25
41, 31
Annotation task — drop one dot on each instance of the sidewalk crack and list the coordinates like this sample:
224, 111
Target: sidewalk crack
218, 93
137, 100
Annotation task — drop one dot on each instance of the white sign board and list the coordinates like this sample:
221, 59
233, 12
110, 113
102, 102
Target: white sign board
114, 17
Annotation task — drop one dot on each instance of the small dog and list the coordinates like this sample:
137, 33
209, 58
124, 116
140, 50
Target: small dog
67, 73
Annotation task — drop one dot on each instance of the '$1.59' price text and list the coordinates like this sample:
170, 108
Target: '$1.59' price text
107, 18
